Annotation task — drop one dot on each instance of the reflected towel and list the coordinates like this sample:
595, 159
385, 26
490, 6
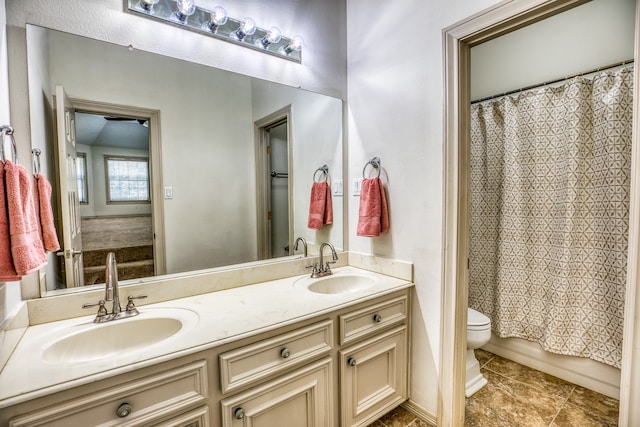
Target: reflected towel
373, 215
42, 201
26, 245
7, 270
320, 206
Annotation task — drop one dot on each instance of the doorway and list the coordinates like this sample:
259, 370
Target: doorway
274, 189
118, 169
459, 39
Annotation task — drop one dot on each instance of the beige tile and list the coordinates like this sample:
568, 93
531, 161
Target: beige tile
399, 417
377, 423
571, 415
419, 423
543, 382
483, 356
600, 406
506, 402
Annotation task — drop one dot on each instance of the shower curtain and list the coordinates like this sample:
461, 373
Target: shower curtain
550, 178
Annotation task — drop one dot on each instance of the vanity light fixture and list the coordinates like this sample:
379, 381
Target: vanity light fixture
147, 5
218, 18
186, 8
273, 36
295, 45
246, 28
216, 23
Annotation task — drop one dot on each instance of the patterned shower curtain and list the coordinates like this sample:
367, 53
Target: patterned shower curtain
550, 178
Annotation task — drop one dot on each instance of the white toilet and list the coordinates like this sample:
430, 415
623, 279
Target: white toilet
478, 334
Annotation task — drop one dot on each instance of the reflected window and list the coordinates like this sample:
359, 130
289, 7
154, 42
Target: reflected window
127, 179
81, 172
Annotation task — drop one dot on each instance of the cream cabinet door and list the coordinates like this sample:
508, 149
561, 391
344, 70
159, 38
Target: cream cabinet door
373, 377
302, 398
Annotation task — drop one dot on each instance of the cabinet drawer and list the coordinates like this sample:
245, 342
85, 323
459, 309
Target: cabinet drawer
262, 359
151, 398
303, 398
368, 320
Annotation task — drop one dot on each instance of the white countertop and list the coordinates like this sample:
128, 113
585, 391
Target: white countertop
220, 317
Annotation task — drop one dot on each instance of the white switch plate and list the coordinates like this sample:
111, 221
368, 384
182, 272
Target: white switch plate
357, 184
337, 187
168, 192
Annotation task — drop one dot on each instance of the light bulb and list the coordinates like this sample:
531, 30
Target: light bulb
273, 36
186, 8
247, 27
218, 17
147, 5
295, 45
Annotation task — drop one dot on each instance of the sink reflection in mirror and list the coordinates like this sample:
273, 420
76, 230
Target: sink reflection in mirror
205, 178
87, 341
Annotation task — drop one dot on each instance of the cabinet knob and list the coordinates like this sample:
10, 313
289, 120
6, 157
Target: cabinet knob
351, 361
285, 353
377, 318
238, 413
124, 410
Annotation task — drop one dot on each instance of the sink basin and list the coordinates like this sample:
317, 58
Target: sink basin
338, 283
92, 341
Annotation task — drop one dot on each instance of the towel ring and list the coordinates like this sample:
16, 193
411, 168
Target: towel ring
375, 163
324, 169
8, 130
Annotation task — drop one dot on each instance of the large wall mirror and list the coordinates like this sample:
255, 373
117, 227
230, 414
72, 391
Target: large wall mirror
214, 165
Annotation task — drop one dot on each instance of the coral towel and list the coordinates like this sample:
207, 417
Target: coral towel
320, 207
42, 200
26, 244
7, 270
373, 216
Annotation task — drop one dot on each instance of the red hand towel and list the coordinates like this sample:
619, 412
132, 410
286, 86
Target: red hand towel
26, 245
42, 201
320, 206
7, 270
373, 215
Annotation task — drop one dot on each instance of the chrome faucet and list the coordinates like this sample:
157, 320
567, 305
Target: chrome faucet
323, 269
304, 245
111, 290
112, 293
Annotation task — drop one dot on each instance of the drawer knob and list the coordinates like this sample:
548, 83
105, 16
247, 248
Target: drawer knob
238, 413
377, 318
124, 410
351, 361
285, 353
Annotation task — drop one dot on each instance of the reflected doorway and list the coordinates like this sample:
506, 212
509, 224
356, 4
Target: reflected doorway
114, 195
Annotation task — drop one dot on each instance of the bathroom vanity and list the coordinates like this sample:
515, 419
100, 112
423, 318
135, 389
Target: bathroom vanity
333, 351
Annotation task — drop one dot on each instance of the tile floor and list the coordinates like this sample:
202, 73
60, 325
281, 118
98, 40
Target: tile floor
518, 396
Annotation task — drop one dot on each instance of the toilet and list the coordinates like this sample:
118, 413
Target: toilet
478, 334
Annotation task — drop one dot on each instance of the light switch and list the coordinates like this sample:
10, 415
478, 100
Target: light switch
168, 192
357, 183
337, 187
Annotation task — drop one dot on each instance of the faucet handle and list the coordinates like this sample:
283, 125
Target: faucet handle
102, 310
130, 305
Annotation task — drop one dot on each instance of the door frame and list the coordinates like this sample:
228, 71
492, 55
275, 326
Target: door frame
263, 188
458, 39
155, 173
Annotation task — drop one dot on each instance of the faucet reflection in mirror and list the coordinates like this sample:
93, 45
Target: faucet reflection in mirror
216, 23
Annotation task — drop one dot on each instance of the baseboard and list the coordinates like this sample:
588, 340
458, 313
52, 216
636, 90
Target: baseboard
584, 372
420, 412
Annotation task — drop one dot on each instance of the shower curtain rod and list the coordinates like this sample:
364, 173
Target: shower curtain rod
595, 70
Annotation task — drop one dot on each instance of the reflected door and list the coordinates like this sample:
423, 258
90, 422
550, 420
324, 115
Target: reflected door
279, 198
69, 201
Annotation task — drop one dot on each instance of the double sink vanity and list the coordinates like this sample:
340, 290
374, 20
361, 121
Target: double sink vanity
262, 345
